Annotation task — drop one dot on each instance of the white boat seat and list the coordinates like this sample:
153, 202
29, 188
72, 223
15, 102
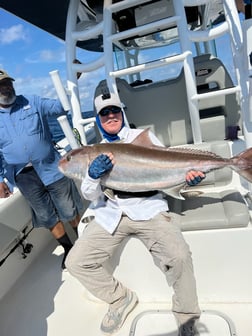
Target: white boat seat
219, 177
169, 121
213, 210
211, 75
219, 112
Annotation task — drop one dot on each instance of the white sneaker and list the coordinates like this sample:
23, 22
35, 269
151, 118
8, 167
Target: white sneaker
116, 316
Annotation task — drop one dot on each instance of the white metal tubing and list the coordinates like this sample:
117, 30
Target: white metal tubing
60, 89
71, 74
70, 42
247, 33
87, 121
151, 65
209, 34
67, 131
88, 67
108, 50
250, 97
234, 23
88, 33
118, 6
241, 68
195, 2
217, 93
189, 72
147, 28
108, 47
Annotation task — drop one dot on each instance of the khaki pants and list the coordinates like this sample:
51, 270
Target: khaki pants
161, 236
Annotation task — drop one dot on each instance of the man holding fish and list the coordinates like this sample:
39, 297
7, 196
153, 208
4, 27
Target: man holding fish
122, 213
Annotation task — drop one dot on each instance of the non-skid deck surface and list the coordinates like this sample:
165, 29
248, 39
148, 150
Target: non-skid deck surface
48, 302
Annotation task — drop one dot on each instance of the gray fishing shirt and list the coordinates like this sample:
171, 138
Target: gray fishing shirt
108, 211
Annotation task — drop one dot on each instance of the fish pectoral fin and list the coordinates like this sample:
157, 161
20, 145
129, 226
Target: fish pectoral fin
109, 193
191, 193
175, 192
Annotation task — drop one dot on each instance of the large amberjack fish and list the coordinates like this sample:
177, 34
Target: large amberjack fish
142, 166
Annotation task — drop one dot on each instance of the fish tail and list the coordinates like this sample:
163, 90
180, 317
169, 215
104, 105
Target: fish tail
243, 164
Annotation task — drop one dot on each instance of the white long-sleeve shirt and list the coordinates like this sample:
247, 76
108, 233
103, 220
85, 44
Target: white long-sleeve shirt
108, 212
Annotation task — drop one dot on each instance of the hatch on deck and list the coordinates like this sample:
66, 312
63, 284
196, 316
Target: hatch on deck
163, 323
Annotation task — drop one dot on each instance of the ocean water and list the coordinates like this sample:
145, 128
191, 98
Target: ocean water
56, 131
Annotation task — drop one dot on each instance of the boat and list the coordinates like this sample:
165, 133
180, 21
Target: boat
162, 58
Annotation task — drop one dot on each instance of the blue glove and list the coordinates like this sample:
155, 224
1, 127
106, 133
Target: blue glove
99, 166
195, 181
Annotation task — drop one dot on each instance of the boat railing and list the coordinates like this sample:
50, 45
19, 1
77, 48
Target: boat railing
151, 65
179, 19
187, 37
217, 93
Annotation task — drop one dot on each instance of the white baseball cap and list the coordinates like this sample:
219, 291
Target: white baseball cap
103, 101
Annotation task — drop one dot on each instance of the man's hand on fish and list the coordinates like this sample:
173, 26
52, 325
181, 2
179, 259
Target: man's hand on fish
194, 177
100, 165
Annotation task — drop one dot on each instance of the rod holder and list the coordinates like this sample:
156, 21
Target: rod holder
60, 90
68, 131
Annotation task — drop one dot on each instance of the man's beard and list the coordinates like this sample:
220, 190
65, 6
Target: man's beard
7, 95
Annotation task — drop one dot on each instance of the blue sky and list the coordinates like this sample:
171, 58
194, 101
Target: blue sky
28, 54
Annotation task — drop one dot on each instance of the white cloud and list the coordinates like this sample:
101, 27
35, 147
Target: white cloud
46, 55
41, 86
13, 34
87, 85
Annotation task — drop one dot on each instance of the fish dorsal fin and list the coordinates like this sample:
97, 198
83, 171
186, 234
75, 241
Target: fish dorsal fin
119, 141
193, 151
143, 139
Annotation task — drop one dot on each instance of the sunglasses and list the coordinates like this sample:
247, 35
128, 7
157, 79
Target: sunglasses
111, 109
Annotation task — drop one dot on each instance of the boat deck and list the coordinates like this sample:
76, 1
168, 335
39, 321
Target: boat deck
51, 302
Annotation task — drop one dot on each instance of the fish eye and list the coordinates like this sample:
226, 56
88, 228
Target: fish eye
68, 157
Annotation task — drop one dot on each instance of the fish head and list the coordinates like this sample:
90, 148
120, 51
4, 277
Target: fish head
74, 163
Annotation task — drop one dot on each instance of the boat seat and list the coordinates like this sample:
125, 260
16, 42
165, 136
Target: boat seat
15, 218
219, 112
212, 209
219, 177
170, 122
